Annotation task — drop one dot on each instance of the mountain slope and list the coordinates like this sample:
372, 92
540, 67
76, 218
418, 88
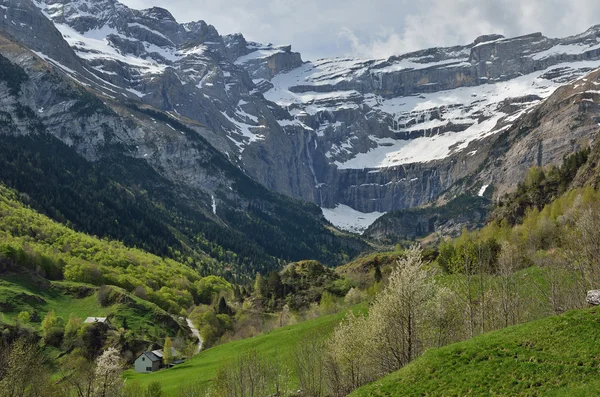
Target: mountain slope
564, 124
447, 220
33, 245
349, 135
25, 292
372, 135
120, 169
553, 356
280, 343
396, 133
184, 69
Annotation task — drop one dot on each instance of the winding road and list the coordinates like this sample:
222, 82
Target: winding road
196, 333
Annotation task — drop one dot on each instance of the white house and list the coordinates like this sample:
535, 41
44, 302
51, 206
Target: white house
147, 362
153, 361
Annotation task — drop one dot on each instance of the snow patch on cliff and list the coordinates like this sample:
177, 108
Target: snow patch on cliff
482, 190
349, 219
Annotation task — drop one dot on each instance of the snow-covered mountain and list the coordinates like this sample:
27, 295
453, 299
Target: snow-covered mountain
394, 116
358, 137
127, 165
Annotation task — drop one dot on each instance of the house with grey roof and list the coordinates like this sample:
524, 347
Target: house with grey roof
148, 362
154, 360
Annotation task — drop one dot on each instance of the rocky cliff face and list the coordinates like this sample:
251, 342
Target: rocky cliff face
203, 203
450, 219
397, 133
187, 70
375, 135
565, 123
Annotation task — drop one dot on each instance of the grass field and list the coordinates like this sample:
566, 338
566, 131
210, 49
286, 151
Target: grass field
18, 293
279, 343
556, 356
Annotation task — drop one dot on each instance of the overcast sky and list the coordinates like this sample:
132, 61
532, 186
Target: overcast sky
380, 28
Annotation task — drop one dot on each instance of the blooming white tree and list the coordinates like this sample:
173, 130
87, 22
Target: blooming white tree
350, 352
364, 348
108, 374
398, 312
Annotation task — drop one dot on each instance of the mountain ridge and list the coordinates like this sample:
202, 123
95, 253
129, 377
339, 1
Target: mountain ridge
372, 135
90, 160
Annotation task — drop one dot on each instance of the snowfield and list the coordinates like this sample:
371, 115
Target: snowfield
474, 107
347, 218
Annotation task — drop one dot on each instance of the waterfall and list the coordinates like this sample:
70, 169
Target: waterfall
311, 167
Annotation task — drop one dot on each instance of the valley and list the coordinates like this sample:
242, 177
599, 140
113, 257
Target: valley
190, 213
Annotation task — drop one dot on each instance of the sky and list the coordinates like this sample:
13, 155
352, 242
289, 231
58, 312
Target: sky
381, 28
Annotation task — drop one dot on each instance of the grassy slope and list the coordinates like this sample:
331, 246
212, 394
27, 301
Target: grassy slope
279, 343
558, 355
19, 293
22, 295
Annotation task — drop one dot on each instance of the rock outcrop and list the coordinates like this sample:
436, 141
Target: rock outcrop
449, 219
593, 297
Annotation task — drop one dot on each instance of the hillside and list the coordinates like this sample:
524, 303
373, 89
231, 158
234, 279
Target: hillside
448, 219
280, 344
555, 356
31, 242
145, 321
47, 269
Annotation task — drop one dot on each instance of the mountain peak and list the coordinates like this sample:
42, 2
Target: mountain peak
159, 13
487, 37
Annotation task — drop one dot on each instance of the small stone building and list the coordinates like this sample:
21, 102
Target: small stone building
98, 320
147, 362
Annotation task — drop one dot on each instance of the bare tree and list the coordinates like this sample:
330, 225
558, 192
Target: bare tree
508, 263
562, 281
463, 263
483, 265
584, 251
78, 376
350, 349
443, 321
24, 374
310, 360
251, 376
194, 390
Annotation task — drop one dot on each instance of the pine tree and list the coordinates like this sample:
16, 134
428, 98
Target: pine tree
222, 307
274, 285
378, 275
